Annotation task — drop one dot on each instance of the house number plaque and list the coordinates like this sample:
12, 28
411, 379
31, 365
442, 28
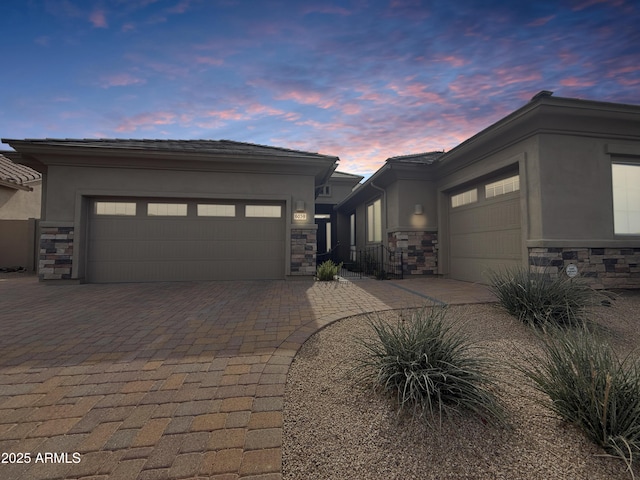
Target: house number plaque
571, 270
300, 216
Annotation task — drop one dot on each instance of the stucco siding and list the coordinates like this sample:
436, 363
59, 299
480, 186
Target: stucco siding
66, 182
20, 204
575, 184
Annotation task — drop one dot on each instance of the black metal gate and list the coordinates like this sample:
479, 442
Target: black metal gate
377, 261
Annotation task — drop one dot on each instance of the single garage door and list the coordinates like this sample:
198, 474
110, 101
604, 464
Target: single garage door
145, 240
484, 226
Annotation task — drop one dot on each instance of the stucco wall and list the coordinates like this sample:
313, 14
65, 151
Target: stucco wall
415, 192
17, 243
65, 182
20, 204
575, 186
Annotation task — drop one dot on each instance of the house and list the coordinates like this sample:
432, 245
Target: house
152, 210
20, 194
338, 187
555, 182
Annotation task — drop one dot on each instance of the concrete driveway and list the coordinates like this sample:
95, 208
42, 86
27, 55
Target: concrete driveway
166, 380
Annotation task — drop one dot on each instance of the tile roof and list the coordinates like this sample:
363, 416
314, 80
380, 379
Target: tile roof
426, 158
15, 173
201, 146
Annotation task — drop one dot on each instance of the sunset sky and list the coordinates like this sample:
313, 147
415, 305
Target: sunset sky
363, 80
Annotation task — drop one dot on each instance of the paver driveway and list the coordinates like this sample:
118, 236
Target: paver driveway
158, 381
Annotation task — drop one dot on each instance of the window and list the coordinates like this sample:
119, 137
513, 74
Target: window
208, 210
374, 222
352, 229
352, 237
626, 198
464, 198
116, 208
508, 185
325, 191
272, 211
167, 209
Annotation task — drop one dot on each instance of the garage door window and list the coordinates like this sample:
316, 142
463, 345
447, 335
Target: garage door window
207, 210
167, 209
267, 211
508, 185
626, 198
116, 208
464, 198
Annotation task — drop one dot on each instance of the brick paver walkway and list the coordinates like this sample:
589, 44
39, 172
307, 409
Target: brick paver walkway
160, 381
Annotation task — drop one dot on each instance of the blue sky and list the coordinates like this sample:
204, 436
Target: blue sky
363, 80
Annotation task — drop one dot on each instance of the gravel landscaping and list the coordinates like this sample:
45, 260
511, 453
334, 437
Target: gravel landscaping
335, 430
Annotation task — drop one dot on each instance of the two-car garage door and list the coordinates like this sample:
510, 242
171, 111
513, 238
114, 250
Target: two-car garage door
484, 228
141, 240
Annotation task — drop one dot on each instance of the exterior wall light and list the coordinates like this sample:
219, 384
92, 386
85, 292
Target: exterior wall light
417, 209
300, 206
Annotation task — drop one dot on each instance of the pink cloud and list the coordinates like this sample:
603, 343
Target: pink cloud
510, 76
590, 3
209, 61
98, 19
180, 7
576, 82
307, 98
541, 21
351, 109
257, 109
454, 61
628, 82
145, 121
121, 80
622, 70
417, 90
230, 114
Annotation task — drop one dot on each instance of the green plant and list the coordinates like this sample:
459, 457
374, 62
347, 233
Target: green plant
540, 300
326, 271
590, 387
430, 367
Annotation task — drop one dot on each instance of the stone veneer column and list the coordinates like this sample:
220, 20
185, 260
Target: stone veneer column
599, 267
56, 253
303, 251
420, 251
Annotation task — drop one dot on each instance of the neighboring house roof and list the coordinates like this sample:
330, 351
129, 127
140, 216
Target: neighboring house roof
346, 176
197, 146
14, 175
415, 163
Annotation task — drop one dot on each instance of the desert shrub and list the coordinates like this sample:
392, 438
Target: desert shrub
592, 388
540, 300
430, 367
326, 271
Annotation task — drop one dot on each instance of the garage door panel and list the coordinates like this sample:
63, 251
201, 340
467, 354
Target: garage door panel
139, 249
485, 236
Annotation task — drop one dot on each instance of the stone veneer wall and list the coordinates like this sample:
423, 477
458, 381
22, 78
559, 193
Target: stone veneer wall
56, 250
303, 251
599, 267
420, 251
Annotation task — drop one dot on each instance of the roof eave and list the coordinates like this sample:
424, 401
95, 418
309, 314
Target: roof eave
15, 186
